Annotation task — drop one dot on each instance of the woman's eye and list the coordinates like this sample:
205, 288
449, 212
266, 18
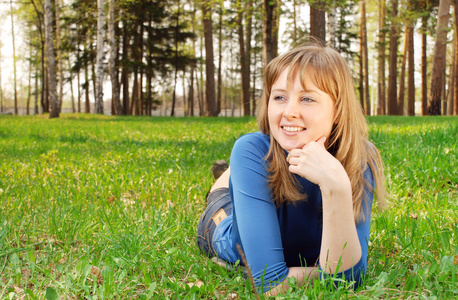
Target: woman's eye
307, 99
279, 98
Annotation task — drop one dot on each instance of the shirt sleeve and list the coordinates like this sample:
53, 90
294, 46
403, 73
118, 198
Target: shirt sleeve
357, 273
255, 218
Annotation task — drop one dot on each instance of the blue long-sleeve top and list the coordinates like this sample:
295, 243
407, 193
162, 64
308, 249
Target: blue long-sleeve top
276, 238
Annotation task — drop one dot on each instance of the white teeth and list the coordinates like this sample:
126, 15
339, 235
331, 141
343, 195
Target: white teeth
293, 129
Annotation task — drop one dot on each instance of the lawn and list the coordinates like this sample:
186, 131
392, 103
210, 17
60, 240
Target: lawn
97, 207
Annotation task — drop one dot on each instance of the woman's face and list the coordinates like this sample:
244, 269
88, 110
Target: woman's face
298, 116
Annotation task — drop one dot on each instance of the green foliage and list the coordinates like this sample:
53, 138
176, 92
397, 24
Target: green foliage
99, 207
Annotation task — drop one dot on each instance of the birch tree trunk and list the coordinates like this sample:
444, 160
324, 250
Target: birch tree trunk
367, 102
52, 85
100, 68
112, 61
438, 71
59, 56
1, 89
71, 87
451, 87
29, 92
402, 76
14, 61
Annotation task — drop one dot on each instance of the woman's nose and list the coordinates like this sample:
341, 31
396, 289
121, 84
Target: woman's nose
291, 110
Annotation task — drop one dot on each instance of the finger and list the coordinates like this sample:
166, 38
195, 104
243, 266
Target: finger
294, 161
293, 153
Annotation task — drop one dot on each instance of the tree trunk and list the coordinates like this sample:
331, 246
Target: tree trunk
134, 103
78, 82
276, 28
451, 89
318, 20
253, 89
294, 22
193, 64
141, 71
14, 61
185, 107
45, 93
410, 73
200, 82
51, 60
100, 68
59, 56
248, 36
367, 103
172, 114
136, 60
332, 25
437, 74
392, 77
29, 92
112, 61
381, 84
212, 109
455, 79
87, 104
71, 87
219, 83
424, 66
149, 71
191, 91
44, 104
361, 70
269, 22
244, 66
1, 86
36, 91
125, 72
402, 76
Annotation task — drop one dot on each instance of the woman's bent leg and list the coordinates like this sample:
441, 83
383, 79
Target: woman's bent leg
219, 207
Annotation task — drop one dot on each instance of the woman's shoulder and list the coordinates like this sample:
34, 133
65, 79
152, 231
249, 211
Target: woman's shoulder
255, 142
254, 139
257, 136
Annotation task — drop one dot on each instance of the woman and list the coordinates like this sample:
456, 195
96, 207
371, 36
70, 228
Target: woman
298, 195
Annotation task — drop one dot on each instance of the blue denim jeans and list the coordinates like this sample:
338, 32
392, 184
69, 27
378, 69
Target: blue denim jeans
219, 206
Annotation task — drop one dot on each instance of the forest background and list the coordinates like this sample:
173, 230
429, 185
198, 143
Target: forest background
184, 57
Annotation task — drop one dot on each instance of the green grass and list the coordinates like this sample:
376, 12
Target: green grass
96, 207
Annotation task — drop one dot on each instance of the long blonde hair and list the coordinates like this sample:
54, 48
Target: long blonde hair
348, 141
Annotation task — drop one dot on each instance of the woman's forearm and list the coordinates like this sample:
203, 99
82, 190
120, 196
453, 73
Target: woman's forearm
340, 245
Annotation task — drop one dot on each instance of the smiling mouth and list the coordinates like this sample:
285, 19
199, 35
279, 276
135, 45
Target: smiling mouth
292, 128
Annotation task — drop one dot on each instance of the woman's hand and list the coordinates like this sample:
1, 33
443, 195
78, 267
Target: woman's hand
317, 165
